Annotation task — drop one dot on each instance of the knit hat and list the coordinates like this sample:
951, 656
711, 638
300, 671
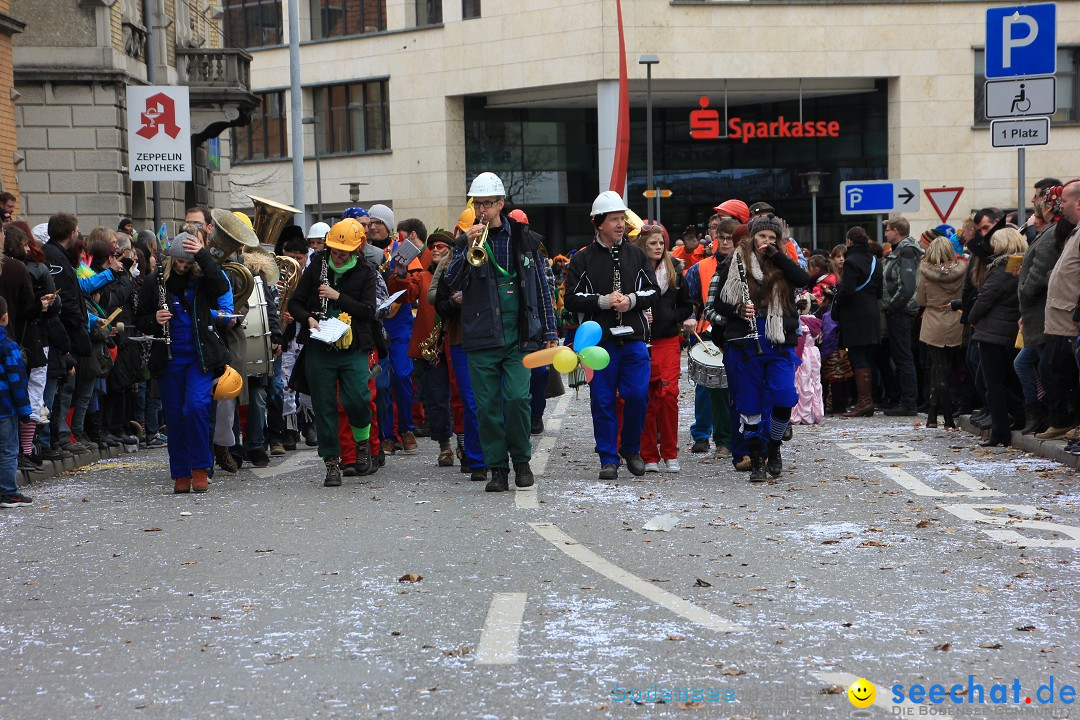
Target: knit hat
766, 222
734, 208
176, 247
740, 233
383, 214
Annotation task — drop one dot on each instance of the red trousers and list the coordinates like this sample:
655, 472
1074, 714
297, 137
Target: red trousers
662, 417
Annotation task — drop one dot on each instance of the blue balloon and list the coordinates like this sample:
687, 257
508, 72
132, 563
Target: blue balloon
587, 335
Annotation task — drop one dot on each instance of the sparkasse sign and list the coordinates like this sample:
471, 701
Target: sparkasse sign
159, 133
705, 125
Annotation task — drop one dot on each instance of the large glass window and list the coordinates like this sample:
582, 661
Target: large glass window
338, 18
470, 9
265, 138
428, 12
1068, 93
252, 23
352, 118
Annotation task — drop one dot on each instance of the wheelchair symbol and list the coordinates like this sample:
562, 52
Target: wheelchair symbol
1021, 103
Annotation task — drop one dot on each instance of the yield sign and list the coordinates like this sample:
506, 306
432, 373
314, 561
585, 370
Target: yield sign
943, 198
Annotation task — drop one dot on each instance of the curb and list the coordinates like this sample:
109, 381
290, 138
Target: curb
1049, 449
52, 468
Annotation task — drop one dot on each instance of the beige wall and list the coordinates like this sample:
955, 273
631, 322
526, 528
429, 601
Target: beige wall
925, 50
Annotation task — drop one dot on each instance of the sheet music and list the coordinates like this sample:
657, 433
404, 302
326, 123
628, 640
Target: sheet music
390, 301
330, 330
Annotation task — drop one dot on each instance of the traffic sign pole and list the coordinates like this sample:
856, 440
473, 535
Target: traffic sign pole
1020, 172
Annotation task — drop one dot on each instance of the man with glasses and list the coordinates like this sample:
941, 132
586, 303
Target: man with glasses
506, 312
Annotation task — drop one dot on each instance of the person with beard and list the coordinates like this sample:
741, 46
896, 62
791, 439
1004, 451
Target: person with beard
187, 366
757, 296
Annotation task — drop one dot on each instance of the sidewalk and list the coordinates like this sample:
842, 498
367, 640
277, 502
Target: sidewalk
1050, 449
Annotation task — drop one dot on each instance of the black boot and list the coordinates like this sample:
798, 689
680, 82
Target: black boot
931, 416
500, 480
523, 476
333, 472
364, 464
757, 463
775, 464
1036, 418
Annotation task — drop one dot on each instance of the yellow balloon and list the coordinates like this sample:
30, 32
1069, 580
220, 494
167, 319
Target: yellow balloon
565, 360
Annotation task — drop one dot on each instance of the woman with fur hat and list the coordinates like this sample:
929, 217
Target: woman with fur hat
757, 299
941, 280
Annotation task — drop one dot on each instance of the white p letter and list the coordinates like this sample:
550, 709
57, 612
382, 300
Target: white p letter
1008, 42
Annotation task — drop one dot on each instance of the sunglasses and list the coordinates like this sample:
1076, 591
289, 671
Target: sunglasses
651, 228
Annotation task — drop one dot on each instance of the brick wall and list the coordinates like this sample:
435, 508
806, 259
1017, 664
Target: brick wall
8, 146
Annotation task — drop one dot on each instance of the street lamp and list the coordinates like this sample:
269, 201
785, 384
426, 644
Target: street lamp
354, 190
648, 61
813, 184
309, 120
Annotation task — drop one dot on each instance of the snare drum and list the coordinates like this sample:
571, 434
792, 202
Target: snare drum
705, 365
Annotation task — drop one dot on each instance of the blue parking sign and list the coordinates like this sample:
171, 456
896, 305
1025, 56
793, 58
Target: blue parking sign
1021, 40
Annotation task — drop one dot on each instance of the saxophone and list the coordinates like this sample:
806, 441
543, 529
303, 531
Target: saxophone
431, 346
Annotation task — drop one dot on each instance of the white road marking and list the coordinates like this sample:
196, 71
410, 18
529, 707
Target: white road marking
882, 701
972, 514
886, 452
294, 462
499, 640
647, 590
917, 486
529, 498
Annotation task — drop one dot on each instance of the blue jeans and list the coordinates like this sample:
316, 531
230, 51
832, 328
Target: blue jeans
9, 455
255, 437
628, 374
1026, 365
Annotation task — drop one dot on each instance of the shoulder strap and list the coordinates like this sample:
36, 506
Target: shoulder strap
873, 266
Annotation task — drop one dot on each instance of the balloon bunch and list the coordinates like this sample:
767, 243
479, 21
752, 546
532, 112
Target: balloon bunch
585, 351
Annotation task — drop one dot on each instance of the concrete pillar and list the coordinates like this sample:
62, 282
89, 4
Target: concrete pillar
607, 127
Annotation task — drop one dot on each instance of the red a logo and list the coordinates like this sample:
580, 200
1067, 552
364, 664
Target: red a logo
704, 124
160, 114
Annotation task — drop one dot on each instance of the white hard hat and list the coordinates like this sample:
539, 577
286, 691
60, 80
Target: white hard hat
487, 184
607, 202
318, 230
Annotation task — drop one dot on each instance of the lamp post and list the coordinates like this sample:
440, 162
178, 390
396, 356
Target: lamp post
354, 190
314, 121
648, 61
813, 184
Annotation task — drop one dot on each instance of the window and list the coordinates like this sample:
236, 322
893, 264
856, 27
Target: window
428, 12
338, 18
1068, 92
252, 23
352, 118
470, 9
265, 137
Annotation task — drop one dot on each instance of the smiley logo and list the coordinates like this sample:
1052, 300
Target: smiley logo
862, 693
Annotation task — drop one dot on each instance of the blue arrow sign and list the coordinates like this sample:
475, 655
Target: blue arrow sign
1021, 40
869, 197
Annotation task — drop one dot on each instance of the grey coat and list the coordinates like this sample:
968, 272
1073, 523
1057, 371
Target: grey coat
1040, 259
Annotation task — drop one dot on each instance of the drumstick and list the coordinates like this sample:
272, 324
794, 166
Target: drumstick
712, 351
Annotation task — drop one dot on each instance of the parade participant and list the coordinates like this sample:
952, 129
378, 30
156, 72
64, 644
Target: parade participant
185, 366
733, 209
294, 404
692, 251
673, 305
757, 299
506, 312
316, 236
538, 381
612, 282
427, 349
336, 283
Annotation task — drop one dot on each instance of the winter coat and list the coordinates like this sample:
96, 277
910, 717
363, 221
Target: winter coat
1039, 261
857, 312
36, 337
997, 309
671, 308
736, 326
1062, 290
357, 288
901, 276
591, 274
72, 311
23, 308
938, 287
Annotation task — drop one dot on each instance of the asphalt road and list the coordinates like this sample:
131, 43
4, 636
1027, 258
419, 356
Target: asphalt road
886, 551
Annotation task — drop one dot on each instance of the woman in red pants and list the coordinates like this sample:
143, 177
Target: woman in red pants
660, 437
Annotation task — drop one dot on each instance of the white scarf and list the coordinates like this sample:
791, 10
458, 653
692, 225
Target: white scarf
661, 277
735, 290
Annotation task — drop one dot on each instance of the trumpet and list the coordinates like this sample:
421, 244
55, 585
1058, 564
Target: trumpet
477, 252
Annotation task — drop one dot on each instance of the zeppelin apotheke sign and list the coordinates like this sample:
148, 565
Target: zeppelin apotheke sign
159, 133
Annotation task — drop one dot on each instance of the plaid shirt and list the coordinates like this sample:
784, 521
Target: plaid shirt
13, 399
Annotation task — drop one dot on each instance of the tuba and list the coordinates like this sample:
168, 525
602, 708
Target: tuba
230, 235
242, 282
270, 219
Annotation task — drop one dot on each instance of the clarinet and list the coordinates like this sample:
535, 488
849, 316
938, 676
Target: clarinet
323, 280
164, 300
747, 302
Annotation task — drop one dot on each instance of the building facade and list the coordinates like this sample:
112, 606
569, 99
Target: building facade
412, 98
71, 77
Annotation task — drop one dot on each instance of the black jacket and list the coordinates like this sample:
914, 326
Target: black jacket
72, 311
671, 308
357, 288
859, 313
997, 309
209, 286
591, 273
36, 337
736, 326
1039, 261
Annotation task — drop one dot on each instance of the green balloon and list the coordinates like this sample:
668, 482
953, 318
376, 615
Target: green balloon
595, 357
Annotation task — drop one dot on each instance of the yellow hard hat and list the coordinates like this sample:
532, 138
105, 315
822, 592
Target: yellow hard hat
243, 218
228, 385
346, 235
467, 217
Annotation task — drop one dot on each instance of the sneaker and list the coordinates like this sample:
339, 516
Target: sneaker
16, 500
156, 441
408, 443
672, 466
609, 471
744, 464
523, 476
52, 453
1052, 433
652, 467
634, 464
277, 449
25, 463
537, 425
700, 446
500, 480
446, 458
722, 451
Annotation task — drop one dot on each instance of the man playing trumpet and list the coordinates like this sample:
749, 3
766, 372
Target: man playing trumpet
506, 312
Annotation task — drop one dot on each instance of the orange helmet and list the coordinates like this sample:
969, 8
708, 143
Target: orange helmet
228, 385
519, 215
347, 235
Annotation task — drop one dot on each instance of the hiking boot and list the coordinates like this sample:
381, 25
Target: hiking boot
277, 449
258, 458
500, 480
311, 437
181, 485
700, 446
333, 472
722, 452
199, 482
225, 459
537, 427
757, 469
364, 463
408, 443
610, 471
775, 464
350, 470
523, 475
74, 448
446, 458
634, 464
744, 464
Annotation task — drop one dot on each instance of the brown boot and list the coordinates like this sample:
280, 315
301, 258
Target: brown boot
864, 405
181, 485
199, 481
408, 443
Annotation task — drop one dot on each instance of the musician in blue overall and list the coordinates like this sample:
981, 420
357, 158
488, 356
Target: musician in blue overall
758, 300
612, 282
